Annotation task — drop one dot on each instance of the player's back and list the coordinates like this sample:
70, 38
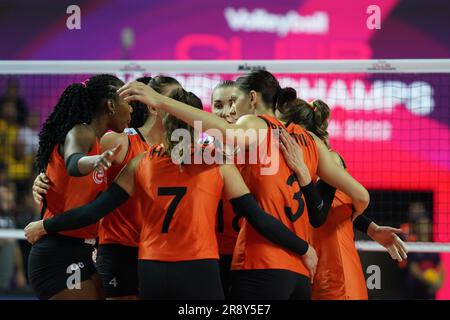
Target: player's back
179, 204
278, 193
339, 273
228, 226
123, 225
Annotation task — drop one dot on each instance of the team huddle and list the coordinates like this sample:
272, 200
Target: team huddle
171, 228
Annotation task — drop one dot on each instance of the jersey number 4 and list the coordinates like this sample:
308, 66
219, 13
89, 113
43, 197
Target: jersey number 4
179, 193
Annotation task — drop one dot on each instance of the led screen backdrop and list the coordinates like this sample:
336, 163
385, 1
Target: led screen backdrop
393, 130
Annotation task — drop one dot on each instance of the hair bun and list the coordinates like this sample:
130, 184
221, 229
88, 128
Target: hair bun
286, 95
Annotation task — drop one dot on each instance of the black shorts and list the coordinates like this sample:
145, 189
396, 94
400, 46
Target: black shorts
57, 263
225, 266
185, 280
269, 284
117, 267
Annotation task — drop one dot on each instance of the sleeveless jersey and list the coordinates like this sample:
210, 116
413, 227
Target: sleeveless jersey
122, 226
278, 193
67, 192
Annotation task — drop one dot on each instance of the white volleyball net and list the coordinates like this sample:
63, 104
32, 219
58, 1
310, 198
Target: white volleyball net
390, 121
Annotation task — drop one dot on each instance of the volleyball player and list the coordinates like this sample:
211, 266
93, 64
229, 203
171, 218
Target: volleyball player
339, 274
228, 224
265, 270
178, 248
119, 232
69, 151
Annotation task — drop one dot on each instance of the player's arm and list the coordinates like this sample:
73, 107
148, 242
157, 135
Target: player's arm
136, 91
244, 204
79, 141
362, 222
386, 236
40, 187
116, 195
319, 197
113, 139
109, 141
339, 178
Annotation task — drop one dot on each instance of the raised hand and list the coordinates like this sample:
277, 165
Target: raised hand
137, 91
293, 155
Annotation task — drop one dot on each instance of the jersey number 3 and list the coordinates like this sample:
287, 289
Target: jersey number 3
179, 193
297, 196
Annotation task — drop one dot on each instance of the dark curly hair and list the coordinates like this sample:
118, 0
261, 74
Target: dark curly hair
140, 112
78, 104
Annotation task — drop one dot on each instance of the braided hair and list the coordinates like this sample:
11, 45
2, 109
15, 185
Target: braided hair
79, 103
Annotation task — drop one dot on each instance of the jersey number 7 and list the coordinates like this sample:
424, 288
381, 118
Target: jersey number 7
179, 193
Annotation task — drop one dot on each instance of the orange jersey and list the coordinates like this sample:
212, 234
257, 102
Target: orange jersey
179, 207
228, 226
279, 195
339, 274
68, 192
123, 225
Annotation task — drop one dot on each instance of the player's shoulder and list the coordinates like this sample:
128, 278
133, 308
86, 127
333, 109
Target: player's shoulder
312, 135
252, 121
81, 135
82, 130
112, 139
135, 163
130, 131
337, 158
295, 127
